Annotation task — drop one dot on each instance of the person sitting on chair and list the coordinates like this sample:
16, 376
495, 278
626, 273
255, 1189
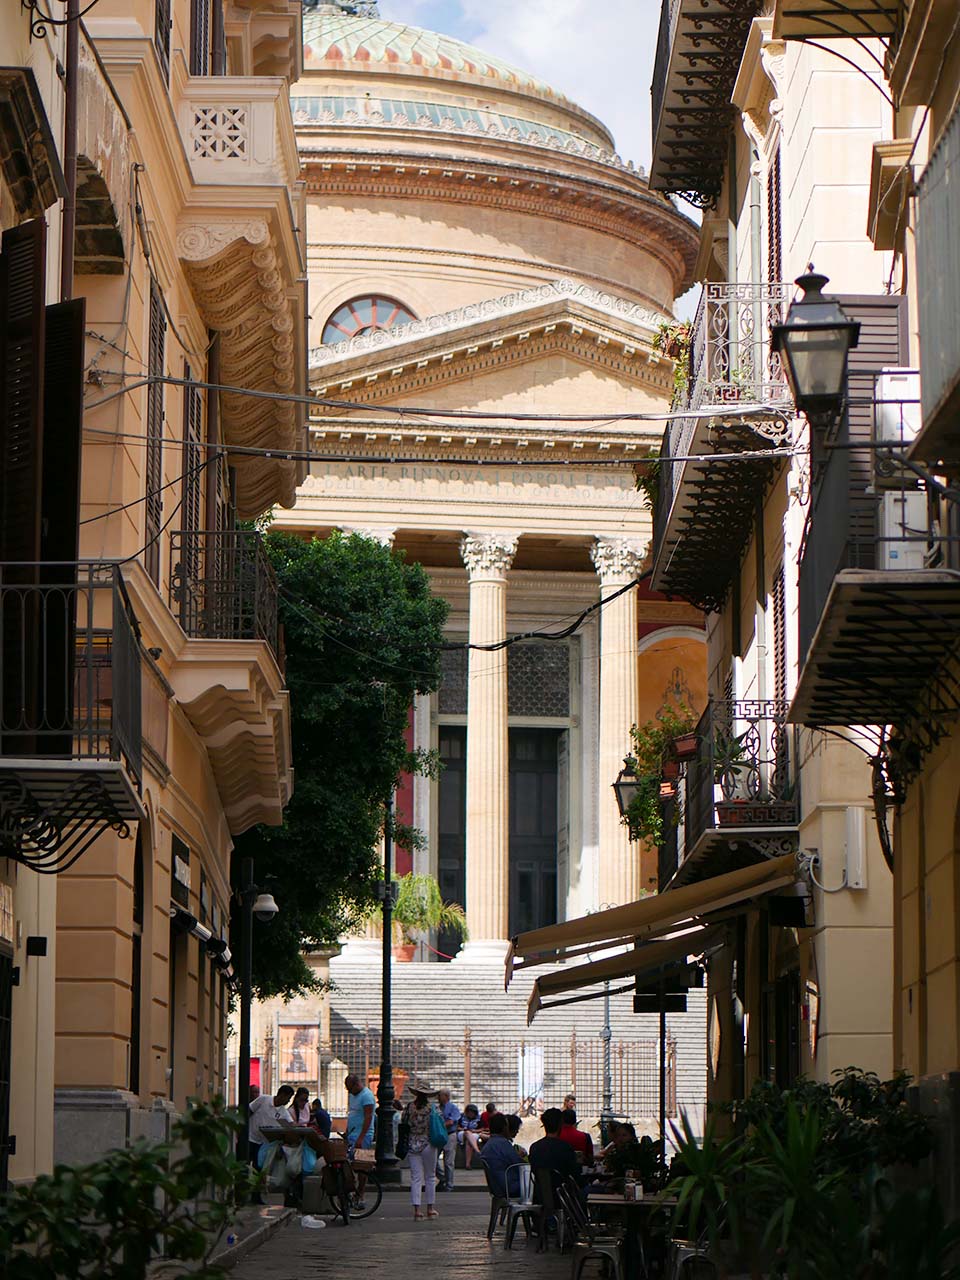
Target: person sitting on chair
498, 1155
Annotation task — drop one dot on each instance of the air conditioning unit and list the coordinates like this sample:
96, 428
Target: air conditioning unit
897, 420
903, 530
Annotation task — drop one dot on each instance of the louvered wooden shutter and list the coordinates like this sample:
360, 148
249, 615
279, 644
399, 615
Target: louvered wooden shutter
22, 289
192, 454
200, 37
774, 240
779, 602
161, 33
218, 40
154, 459
62, 444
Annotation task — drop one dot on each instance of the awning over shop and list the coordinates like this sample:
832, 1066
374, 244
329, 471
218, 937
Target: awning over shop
631, 964
649, 917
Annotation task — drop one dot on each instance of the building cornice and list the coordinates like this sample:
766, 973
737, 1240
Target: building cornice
606, 200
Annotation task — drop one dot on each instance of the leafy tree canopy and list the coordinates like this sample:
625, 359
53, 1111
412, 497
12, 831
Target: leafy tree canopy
363, 635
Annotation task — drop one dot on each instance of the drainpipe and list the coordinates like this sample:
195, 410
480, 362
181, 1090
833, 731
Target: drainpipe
213, 434
68, 223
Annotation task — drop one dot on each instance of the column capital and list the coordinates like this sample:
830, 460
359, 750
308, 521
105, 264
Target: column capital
618, 559
488, 555
384, 536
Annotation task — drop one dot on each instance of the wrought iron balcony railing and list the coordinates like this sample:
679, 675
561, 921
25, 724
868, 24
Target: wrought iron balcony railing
222, 586
742, 783
70, 710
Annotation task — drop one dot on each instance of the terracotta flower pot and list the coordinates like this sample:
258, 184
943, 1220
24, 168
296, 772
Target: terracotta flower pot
685, 747
670, 770
403, 952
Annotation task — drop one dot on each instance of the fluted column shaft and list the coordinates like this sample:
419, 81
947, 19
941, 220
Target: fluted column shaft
487, 558
618, 562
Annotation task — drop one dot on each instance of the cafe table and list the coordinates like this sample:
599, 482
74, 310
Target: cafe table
637, 1216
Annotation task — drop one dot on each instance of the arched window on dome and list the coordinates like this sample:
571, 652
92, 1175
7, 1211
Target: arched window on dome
363, 315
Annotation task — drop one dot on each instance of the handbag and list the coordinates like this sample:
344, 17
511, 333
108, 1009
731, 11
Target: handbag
437, 1132
403, 1140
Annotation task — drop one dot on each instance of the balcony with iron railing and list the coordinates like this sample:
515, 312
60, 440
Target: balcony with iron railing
70, 710
738, 797
734, 397
699, 48
879, 604
222, 586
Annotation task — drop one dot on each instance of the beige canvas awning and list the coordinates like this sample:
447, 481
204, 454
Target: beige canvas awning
628, 964
649, 917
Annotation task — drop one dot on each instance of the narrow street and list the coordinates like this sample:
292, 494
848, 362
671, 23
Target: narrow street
391, 1244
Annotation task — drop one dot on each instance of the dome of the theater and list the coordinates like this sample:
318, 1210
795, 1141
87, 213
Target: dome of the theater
343, 41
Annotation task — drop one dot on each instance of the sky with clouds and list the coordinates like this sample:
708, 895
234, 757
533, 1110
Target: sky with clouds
600, 55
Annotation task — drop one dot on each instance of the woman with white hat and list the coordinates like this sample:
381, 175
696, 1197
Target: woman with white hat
422, 1154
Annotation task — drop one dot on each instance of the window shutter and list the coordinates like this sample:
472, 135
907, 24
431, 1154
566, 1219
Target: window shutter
161, 34
774, 240
218, 40
199, 37
192, 454
154, 459
22, 289
779, 601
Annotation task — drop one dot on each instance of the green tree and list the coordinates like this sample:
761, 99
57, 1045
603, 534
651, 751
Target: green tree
363, 635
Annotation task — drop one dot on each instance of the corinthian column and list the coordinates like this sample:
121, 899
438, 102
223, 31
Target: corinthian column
618, 561
487, 558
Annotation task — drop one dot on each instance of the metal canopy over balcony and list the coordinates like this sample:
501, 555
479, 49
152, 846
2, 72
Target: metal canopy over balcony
699, 49
830, 19
70, 711
706, 509
739, 801
884, 650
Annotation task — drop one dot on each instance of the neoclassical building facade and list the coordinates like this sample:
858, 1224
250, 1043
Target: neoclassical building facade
486, 277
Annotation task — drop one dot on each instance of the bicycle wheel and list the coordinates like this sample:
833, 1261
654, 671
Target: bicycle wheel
372, 1195
341, 1197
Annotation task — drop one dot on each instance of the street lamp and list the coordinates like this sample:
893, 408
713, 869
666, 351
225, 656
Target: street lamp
386, 1158
263, 906
815, 340
626, 786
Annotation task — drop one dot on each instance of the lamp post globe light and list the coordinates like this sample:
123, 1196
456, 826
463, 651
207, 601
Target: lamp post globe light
264, 907
815, 341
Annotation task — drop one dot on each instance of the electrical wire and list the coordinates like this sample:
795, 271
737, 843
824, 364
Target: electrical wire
166, 524
150, 493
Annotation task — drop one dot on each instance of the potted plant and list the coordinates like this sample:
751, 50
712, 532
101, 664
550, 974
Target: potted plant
418, 909
652, 752
674, 339
647, 474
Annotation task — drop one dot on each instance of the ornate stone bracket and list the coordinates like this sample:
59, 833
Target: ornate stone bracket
488, 555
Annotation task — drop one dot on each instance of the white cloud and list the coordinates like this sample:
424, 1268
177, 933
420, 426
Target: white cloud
599, 55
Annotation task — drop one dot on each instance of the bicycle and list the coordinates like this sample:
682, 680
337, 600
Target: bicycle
340, 1184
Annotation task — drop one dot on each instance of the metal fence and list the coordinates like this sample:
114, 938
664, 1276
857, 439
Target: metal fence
518, 1074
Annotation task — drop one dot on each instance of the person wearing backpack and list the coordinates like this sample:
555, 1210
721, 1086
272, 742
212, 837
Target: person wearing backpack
427, 1136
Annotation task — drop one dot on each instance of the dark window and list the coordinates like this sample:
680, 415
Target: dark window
154, 462
161, 34
774, 242
200, 37
533, 828
6, 1013
452, 843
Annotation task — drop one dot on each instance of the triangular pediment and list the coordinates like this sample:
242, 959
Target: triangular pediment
564, 328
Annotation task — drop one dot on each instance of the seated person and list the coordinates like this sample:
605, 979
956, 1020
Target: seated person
551, 1152
581, 1142
469, 1132
514, 1125
320, 1118
489, 1110
498, 1155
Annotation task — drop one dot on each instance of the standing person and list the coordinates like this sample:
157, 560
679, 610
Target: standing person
569, 1102
451, 1119
422, 1156
300, 1107
266, 1113
361, 1105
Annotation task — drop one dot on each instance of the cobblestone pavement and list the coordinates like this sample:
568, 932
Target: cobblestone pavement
391, 1246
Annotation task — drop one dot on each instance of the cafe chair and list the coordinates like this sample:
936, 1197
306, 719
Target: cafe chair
546, 1188
687, 1261
498, 1204
520, 1205
592, 1241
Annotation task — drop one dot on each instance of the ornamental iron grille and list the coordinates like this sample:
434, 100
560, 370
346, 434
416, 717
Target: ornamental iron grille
223, 587
706, 506
452, 698
699, 49
70, 715
538, 679
743, 780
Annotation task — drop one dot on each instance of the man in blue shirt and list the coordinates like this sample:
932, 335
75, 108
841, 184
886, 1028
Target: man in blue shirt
498, 1154
361, 1105
451, 1118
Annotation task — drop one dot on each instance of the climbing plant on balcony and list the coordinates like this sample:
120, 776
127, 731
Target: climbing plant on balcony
652, 747
674, 339
363, 636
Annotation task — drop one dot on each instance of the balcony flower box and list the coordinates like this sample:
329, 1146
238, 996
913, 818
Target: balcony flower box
734, 813
670, 770
756, 813
685, 747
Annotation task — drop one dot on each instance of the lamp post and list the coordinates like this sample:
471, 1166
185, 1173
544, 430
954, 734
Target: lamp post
815, 341
626, 786
606, 1037
262, 905
386, 1159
